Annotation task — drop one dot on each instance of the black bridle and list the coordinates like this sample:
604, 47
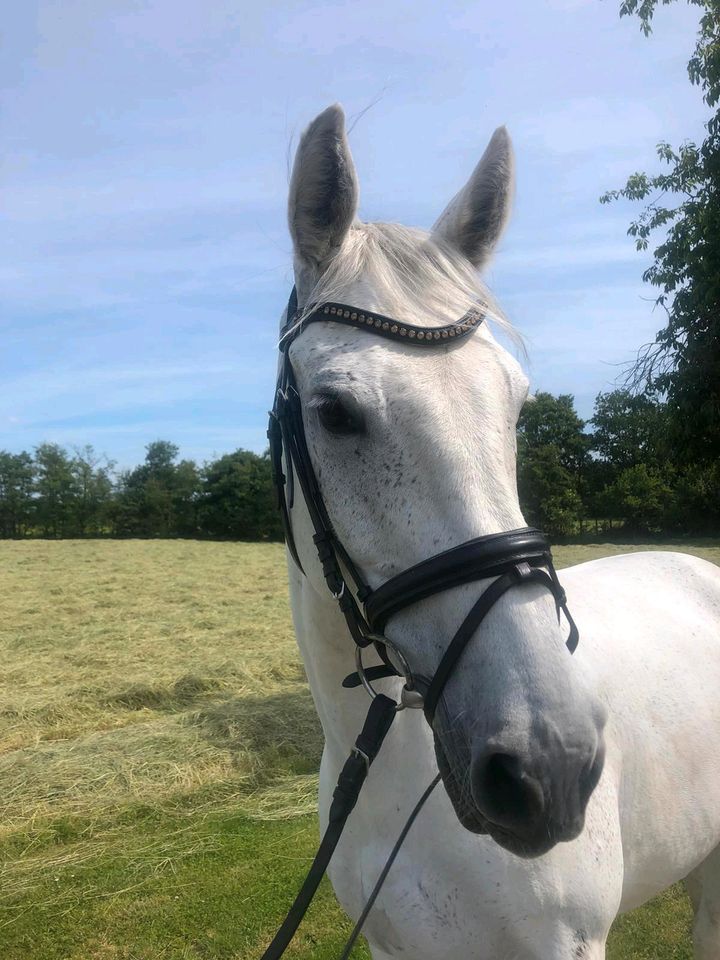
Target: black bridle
510, 559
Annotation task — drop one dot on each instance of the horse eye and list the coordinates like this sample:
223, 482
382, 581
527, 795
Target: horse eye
340, 415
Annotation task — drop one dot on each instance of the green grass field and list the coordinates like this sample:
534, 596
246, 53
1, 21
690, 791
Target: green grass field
158, 758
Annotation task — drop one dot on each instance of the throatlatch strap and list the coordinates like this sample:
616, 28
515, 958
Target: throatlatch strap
352, 776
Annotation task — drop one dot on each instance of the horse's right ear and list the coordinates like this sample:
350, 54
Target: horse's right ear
323, 190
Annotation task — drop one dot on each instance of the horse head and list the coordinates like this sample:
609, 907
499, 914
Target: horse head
414, 453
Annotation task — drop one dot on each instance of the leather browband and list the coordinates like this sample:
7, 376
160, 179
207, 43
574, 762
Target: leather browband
379, 324
477, 559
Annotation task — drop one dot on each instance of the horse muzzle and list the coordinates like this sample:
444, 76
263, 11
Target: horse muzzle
526, 800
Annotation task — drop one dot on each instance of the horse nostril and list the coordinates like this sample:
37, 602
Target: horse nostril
505, 792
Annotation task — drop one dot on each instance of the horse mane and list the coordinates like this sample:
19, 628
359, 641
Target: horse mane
416, 277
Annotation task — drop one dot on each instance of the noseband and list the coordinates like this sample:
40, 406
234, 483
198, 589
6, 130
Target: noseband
513, 558
509, 559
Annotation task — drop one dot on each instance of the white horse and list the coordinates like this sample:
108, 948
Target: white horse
415, 453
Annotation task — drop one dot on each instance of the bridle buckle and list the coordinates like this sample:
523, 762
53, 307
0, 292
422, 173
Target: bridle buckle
363, 756
410, 697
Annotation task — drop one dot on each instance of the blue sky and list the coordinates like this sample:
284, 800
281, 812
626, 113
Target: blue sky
145, 256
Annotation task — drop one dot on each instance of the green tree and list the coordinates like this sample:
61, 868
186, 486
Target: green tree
238, 500
552, 457
630, 428
94, 489
17, 475
696, 504
159, 498
56, 490
187, 492
160, 457
682, 206
642, 497
549, 420
548, 491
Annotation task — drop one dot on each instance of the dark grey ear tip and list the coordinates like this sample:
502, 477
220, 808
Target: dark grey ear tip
500, 141
331, 120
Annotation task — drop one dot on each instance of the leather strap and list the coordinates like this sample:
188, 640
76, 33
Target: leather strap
380, 672
352, 776
376, 323
478, 559
513, 557
287, 433
520, 573
461, 639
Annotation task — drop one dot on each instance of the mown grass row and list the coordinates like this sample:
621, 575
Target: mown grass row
158, 758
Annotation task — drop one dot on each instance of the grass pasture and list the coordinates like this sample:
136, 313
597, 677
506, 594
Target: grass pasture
158, 758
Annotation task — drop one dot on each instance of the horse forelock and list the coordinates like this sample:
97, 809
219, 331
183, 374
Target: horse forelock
408, 274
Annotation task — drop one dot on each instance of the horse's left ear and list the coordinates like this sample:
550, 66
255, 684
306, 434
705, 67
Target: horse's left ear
474, 220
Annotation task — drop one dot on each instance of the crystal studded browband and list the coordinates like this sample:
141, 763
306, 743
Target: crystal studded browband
377, 323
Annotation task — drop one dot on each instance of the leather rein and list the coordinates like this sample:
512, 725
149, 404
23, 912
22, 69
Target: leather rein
509, 559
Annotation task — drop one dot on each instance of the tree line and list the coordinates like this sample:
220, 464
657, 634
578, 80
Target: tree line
57, 493
620, 470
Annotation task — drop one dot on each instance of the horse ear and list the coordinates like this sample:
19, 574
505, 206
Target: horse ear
323, 189
474, 220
